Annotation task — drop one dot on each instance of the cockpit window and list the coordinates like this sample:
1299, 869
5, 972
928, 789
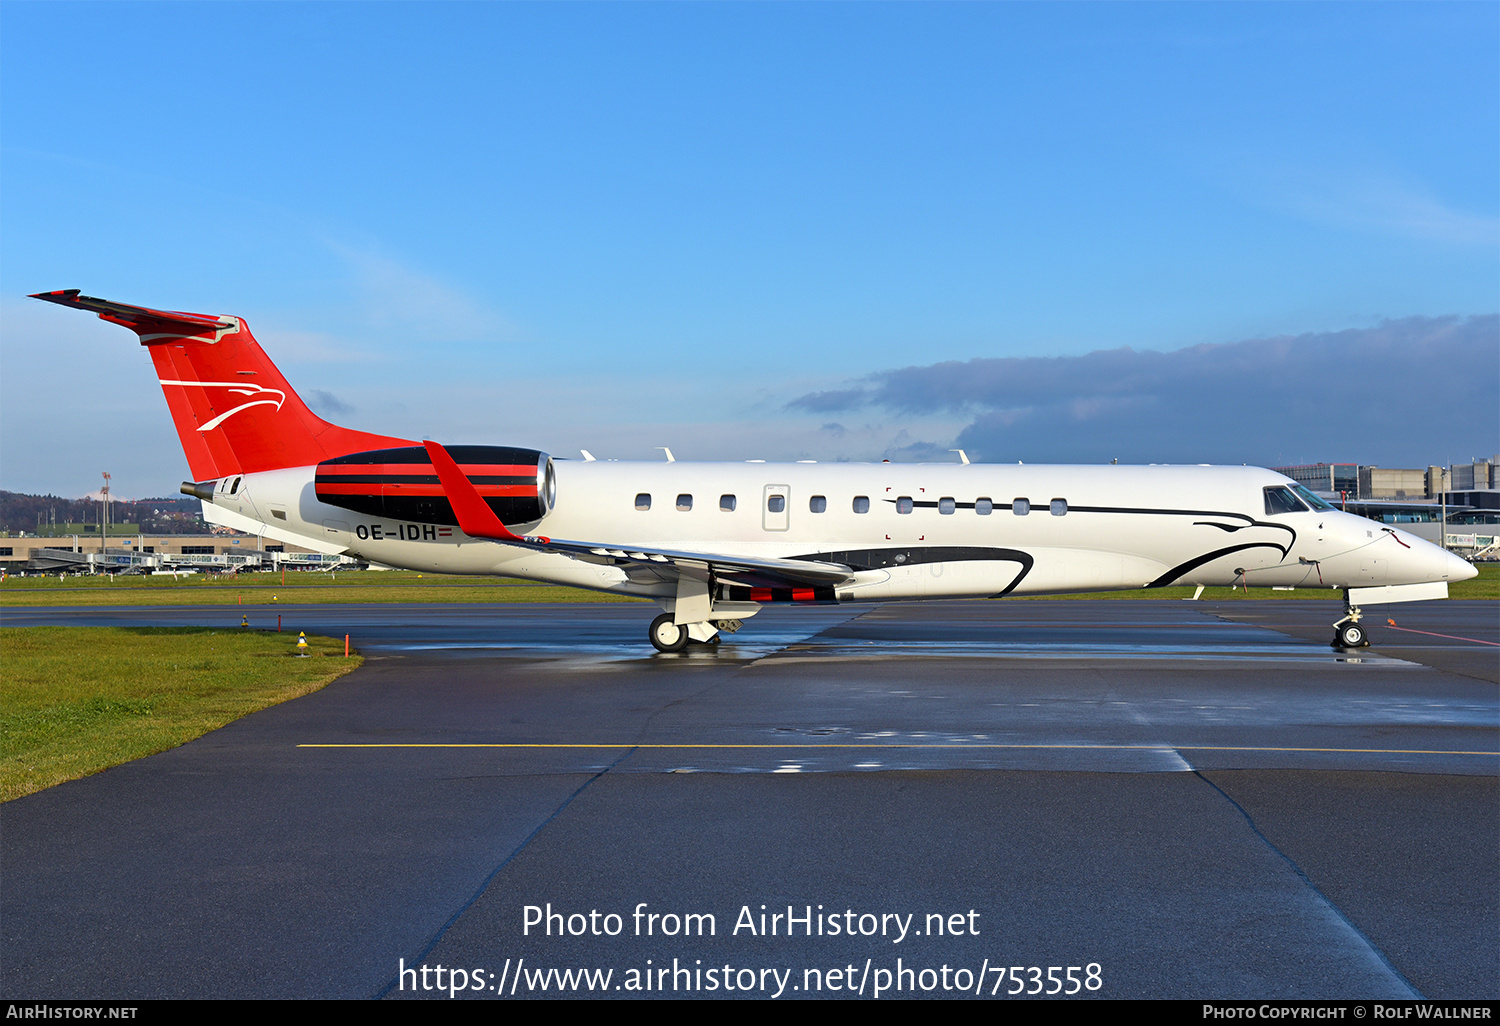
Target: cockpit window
1281, 500
1311, 499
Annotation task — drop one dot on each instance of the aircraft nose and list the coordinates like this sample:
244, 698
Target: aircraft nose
1458, 569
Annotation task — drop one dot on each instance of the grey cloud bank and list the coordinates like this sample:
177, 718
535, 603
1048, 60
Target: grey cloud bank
1404, 393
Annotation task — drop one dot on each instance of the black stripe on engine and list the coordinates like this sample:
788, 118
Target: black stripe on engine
432, 479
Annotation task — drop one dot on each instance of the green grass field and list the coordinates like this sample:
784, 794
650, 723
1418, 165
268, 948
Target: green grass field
77, 700
266, 589
379, 586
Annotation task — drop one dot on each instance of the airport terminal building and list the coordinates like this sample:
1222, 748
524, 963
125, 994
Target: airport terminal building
163, 553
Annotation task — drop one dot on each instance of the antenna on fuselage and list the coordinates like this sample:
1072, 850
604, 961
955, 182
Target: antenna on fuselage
588, 457
961, 455
670, 457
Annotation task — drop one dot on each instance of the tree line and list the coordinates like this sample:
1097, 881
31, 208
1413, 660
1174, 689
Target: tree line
37, 514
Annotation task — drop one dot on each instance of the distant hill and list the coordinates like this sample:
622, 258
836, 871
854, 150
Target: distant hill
36, 514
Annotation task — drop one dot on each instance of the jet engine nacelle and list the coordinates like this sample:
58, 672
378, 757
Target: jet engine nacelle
519, 485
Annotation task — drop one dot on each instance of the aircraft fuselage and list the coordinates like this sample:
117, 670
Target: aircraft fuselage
925, 530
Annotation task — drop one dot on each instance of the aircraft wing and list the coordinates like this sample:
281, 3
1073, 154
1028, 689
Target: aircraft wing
477, 520
753, 571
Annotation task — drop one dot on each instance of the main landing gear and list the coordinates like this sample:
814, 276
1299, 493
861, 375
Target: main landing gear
669, 636
1347, 633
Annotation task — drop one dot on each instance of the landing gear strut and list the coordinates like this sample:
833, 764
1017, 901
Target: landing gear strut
1347, 633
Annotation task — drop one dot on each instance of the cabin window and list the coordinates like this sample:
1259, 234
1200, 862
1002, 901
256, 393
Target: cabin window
984, 507
861, 504
234, 488
818, 504
776, 503
1059, 507
726, 503
1281, 500
904, 504
643, 501
946, 505
684, 503
1021, 507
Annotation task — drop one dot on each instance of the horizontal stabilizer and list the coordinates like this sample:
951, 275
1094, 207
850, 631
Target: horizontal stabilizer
140, 319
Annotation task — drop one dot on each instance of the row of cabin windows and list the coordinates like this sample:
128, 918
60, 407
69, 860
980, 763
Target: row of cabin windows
727, 503
905, 504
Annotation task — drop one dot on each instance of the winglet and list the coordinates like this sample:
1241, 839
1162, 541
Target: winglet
475, 518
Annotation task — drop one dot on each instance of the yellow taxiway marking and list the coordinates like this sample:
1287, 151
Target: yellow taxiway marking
917, 744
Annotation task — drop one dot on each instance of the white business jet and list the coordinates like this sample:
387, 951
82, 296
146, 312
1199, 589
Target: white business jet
713, 543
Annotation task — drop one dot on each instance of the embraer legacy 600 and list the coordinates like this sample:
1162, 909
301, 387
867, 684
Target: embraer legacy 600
712, 543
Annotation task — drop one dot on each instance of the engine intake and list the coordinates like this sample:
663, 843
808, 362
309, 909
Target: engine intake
401, 484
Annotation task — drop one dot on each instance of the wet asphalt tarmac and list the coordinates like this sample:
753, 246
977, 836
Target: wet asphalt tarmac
1178, 799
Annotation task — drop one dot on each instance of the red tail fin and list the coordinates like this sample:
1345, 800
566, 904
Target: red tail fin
234, 411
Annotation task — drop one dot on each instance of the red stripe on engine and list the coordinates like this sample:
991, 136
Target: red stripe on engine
760, 595
469, 469
802, 595
499, 469
424, 490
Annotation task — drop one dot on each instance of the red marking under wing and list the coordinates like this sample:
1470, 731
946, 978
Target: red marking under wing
475, 518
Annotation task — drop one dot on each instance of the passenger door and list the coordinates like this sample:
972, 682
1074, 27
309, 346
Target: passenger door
775, 507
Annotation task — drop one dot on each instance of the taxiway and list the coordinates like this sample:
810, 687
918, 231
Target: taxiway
1200, 800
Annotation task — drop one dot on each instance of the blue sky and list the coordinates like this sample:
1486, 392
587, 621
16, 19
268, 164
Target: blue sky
619, 226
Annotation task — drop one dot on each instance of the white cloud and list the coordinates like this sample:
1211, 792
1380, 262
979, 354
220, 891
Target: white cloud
393, 296
1381, 203
291, 347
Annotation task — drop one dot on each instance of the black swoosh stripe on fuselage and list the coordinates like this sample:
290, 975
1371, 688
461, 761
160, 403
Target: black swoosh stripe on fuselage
883, 559
1193, 564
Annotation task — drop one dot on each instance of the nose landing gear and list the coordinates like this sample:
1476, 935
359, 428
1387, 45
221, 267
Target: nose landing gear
1347, 633
1350, 635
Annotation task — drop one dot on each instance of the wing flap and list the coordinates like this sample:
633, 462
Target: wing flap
754, 571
